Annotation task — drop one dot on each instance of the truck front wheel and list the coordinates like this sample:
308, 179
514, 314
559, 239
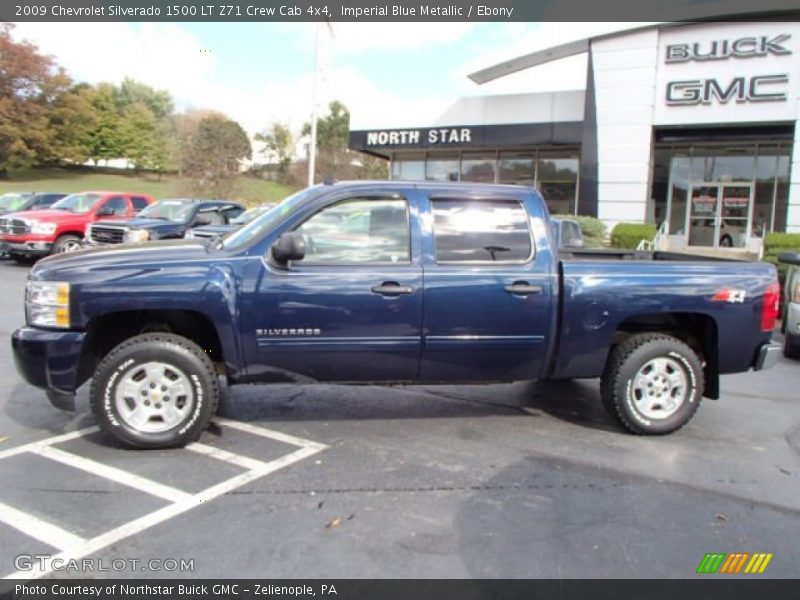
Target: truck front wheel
652, 384
156, 390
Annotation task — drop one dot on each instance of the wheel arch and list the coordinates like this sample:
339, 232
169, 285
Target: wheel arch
105, 332
698, 330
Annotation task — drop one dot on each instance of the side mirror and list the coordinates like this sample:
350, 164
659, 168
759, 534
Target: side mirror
106, 211
201, 221
289, 246
790, 258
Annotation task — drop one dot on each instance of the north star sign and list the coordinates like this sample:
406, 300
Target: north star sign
757, 88
415, 137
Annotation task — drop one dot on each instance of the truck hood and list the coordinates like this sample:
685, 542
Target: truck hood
47, 215
147, 224
67, 266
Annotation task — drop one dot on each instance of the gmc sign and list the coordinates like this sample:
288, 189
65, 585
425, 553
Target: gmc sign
741, 89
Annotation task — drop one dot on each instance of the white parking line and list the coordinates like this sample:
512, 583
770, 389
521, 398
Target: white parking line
47, 442
224, 455
37, 528
118, 475
74, 547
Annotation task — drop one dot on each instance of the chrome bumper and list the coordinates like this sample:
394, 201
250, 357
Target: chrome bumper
767, 356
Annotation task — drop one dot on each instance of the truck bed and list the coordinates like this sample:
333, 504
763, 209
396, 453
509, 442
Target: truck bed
619, 254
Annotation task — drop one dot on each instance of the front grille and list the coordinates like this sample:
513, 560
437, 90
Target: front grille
102, 234
14, 226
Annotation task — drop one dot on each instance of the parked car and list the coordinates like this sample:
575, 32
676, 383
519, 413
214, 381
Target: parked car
19, 201
567, 233
165, 220
61, 227
438, 282
216, 231
791, 305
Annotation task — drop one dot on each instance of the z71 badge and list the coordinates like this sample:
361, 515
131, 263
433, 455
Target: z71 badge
288, 331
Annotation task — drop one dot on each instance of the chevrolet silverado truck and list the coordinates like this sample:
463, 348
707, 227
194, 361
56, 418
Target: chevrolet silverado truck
61, 227
165, 220
387, 282
218, 231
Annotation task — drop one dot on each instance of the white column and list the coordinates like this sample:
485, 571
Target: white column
625, 83
793, 212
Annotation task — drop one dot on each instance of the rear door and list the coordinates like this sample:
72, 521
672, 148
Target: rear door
351, 310
488, 292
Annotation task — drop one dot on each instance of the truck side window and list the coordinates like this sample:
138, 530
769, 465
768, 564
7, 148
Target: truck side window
358, 231
139, 203
481, 231
118, 204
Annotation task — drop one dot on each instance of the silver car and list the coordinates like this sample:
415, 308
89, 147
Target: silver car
791, 303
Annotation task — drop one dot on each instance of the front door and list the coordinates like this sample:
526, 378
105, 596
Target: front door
351, 309
720, 215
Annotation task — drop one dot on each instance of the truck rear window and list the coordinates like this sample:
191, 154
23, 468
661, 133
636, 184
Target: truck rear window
481, 231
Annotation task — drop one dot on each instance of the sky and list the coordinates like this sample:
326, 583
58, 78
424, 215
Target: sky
387, 74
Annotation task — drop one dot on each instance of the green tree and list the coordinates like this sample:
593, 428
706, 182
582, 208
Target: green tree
279, 141
141, 138
131, 92
107, 141
73, 122
29, 84
215, 154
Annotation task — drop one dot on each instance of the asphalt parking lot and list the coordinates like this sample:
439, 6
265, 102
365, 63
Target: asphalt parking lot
520, 480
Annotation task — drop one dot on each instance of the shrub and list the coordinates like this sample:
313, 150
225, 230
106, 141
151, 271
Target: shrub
594, 230
775, 243
628, 235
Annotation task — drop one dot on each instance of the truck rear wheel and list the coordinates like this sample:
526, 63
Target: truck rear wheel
652, 384
156, 390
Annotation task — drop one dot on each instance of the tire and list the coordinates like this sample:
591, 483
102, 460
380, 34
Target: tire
791, 346
653, 384
21, 259
131, 387
66, 243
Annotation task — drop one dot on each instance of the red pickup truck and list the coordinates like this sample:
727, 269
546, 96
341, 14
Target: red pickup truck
61, 227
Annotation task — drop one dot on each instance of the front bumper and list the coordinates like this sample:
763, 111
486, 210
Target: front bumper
49, 359
767, 356
30, 248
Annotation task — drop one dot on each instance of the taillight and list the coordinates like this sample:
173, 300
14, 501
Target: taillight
770, 308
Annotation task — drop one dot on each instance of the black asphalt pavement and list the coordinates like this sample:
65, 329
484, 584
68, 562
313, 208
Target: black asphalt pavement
520, 480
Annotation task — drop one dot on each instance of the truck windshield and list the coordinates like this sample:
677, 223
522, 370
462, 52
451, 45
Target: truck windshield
260, 225
170, 210
12, 201
77, 203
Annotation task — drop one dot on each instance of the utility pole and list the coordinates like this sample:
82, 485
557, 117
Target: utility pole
312, 150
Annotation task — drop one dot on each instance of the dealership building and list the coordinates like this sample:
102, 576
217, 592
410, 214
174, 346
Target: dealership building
689, 126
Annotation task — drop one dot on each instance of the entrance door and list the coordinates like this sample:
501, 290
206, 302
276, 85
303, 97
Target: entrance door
720, 214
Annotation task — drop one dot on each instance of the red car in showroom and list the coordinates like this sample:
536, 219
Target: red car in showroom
61, 228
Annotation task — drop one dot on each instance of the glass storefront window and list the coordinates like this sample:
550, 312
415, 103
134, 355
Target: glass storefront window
409, 167
478, 167
516, 168
442, 168
557, 178
680, 174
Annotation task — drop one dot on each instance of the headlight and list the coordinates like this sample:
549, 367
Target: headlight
43, 228
136, 235
47, 303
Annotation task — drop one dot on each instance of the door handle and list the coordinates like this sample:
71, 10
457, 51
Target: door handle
392, 288
523, 288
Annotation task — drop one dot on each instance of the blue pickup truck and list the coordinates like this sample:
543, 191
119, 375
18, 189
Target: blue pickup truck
387, 282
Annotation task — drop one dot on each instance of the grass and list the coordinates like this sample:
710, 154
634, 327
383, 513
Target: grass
249, 190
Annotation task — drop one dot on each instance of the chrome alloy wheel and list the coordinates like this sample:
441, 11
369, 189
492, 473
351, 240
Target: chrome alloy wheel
154, 397
70, 246
659, 388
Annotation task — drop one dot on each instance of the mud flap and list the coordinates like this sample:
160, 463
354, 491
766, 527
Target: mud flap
61, 400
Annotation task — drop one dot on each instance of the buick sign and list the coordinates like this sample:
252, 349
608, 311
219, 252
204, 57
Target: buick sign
745, 47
